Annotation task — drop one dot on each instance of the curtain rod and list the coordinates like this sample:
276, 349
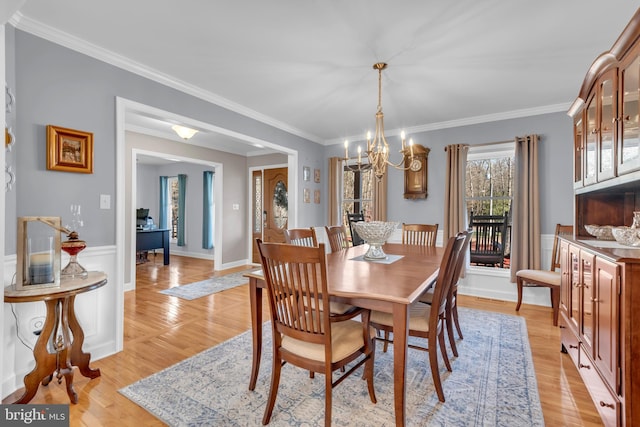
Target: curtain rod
486, 144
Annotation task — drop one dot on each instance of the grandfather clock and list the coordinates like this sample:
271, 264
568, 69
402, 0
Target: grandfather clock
415, 176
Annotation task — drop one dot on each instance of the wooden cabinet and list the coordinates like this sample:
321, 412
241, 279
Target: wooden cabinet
600, 282
606, 135
599, 302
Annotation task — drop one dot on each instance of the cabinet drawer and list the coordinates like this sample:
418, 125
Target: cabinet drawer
606, 402
569, 341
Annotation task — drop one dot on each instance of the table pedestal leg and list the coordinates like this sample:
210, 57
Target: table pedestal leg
78, 358
255, 297
48, 363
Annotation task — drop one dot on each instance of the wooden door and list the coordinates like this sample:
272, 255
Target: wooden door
275, 208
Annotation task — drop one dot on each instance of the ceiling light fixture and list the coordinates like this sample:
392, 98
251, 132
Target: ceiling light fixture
378, 148
184, 132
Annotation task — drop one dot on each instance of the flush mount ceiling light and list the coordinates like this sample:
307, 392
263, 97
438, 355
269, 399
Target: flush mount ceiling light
184, 132
378, 148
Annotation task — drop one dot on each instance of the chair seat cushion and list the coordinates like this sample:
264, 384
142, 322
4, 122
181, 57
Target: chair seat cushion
418, 317
551, 278
346, 339
426, 297
334, 307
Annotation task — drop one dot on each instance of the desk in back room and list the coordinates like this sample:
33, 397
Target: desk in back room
147, 240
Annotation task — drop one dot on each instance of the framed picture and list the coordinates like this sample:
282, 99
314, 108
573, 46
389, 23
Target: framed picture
316, 196
306, 173
306, 195
69, 150
316, 175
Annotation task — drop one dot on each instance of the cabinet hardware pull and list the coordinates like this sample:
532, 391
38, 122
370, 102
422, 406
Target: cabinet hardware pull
594, 299
607, 405
585, 366
573, 346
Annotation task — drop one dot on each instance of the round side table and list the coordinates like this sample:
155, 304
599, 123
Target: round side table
62, 330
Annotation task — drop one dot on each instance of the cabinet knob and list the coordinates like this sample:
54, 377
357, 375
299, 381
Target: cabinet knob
585, 366
607, 405
594, 299
573, 346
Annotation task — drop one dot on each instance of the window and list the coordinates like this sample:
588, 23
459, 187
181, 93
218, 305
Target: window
489, 184
357, 192
172, 214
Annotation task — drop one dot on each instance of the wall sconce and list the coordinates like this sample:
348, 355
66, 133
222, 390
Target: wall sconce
184, 132
38, 252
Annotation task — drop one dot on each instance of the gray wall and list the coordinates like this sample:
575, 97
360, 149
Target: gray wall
55, 85
148, 196
556, 184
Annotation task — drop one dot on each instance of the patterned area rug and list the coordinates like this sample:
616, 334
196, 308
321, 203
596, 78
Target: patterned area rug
209, 286
492, 384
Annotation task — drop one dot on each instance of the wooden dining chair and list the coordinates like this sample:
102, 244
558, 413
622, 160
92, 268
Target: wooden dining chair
311, 339
356, 240
429, 321
546, 278
452, 298
301, 236
307, 237
337, 237
419, 234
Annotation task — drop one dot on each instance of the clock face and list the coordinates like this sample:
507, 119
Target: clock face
416, 165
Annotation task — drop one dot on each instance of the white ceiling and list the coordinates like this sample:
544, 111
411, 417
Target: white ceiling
306, 65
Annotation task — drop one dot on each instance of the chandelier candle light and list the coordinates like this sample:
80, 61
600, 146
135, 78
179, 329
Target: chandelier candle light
378, 148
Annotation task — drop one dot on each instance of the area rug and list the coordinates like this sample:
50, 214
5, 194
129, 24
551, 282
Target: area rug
209, 286
492, 384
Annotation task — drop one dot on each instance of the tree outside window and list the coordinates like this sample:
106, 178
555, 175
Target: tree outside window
357, 192
489, 185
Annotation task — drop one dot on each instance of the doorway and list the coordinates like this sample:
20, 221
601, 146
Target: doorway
270, 207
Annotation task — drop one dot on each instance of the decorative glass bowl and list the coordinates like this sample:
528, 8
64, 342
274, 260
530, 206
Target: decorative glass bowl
601, 232
627, 236
375, 234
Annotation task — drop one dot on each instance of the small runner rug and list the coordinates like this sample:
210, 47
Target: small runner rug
209, 286
493, 383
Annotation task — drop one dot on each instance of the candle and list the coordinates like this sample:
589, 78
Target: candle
346, 149
411, 147
402, 138
41, 268
359, 155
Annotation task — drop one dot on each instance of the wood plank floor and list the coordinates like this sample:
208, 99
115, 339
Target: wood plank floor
161, 331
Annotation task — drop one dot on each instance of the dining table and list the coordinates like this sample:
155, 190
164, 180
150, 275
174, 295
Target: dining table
390, 285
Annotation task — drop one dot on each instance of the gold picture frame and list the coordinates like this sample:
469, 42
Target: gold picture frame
69, 150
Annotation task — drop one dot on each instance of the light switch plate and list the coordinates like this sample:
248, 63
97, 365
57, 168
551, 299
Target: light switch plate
105, 201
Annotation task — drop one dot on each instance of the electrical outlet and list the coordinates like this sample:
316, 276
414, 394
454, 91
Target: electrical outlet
36, 324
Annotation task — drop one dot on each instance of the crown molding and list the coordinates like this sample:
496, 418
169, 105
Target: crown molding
69, 41
516, 114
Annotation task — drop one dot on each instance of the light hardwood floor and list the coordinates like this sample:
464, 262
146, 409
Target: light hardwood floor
161, 331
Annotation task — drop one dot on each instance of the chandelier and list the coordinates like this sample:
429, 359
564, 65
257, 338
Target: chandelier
377, 148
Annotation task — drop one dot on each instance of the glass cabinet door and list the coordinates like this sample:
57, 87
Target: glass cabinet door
586, 320
606, 128
629, 148
591, 143
578, 146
